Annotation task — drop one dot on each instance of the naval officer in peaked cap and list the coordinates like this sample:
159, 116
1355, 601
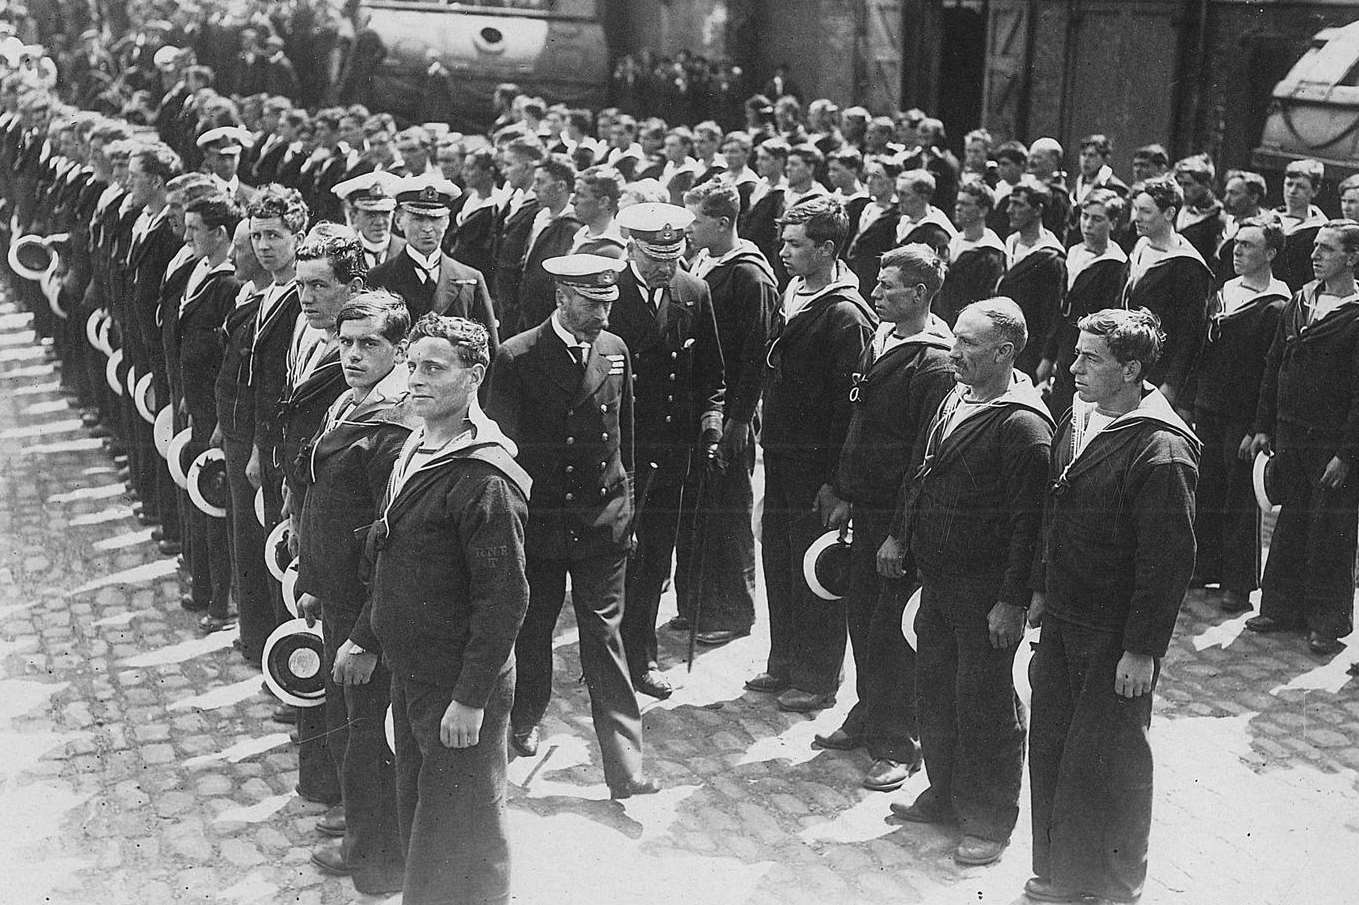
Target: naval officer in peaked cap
426, 278
665, 315
562, 391
370, 206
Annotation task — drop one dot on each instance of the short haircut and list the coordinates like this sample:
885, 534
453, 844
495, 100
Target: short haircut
580, 120
185, 181
217, 211
329, 117
527, 148
775, 148
849, 158
822, 217
918, 263
1313, 170
559, 167
1349, 182
979, 190
387, 306
1131, 334
1114, 204
1198, 167
708, 129
920, 182
685, 136
891, 167
1270, 225
286, 204
1255, 183
740, 139
341, 248
158, 159
1100, 142
468, 338
604, 181
1349, 233
715, 198
1153, 154
1165, 192
1007, 320
1035, 191
644, 191
484, 159
809, 154
1013, 151
980, 135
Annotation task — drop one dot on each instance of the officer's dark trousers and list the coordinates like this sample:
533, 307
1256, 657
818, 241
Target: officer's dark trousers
1309, 575
207, 542
247, 554
357, 744
971, 723
884, 716
728, 550
806, 633
1226, 518
648, 568
597, 598
1090, 768
451, 801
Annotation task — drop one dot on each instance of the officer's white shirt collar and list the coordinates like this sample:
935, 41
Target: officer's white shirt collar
567, 337
429, 263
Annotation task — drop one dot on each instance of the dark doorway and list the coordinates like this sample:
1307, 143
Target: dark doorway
962, 70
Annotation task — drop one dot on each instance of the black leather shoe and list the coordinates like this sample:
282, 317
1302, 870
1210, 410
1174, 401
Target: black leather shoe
795, 700
284, 714
158, 533
188, 603
148, 518
654, 684
1324, 645
1266, 625
766, 682
332, 824
327, 800
169, 547
209, 623
638, 785
921, 811
678, 624
839, 740
721, 636
888, 775
100, 431
525, 744
1041, 889
330, 861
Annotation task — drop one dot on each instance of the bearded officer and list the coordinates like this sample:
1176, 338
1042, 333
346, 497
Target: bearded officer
562, 392
665, 316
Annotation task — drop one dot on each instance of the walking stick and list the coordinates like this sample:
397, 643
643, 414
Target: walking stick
699, 562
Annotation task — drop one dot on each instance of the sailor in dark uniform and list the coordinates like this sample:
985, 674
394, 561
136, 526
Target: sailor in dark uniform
563, 393
665, 316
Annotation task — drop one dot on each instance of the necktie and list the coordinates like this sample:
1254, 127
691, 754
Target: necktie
580, 353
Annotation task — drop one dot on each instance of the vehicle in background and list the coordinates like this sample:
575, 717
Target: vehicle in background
443, 60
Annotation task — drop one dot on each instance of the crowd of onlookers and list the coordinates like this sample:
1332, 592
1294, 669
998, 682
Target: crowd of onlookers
1035, 388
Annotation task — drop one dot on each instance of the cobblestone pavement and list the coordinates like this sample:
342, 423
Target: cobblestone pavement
138, 762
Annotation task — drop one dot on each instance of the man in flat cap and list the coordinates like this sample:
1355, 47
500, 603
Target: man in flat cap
665, 316
563, 392
425, 277
221, 149
370, 204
